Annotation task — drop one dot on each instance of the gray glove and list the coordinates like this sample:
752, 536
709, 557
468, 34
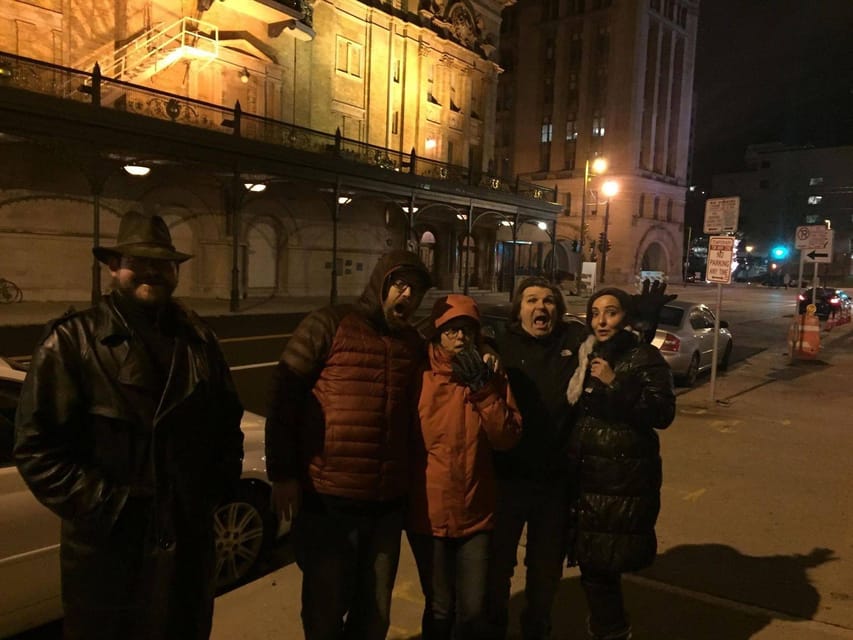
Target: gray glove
470, 370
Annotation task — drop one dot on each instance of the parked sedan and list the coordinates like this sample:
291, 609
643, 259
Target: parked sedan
828, 301
685, 337
29, 532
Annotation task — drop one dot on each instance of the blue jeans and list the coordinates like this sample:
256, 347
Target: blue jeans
544, 508
453, 574
349, 563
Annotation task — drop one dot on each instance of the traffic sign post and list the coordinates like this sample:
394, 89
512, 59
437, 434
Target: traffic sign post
719, 270
721, 215
815, 245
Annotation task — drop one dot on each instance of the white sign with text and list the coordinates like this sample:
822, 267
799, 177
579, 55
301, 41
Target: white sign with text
721, 214
720, 250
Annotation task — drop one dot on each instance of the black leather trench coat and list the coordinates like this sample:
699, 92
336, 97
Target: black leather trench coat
134, 473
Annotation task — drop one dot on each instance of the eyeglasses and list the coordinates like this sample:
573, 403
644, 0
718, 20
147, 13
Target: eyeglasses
455, 332
401, 285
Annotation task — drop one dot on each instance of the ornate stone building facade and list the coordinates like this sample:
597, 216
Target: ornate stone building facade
612, 79
288, 144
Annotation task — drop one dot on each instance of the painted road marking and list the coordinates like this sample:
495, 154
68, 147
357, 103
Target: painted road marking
259, 365
270, 336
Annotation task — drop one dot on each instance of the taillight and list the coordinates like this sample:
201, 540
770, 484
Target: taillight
801, 297
834, 301
670, 343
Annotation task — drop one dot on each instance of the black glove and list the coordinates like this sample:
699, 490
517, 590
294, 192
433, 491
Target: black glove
470, 370
647, 307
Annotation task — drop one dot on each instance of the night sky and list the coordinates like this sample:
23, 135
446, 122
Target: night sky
771, 71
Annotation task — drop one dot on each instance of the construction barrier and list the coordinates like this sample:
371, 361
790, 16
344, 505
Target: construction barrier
842, 316
804, 336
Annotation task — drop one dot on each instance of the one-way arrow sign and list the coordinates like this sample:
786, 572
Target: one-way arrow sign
815, 255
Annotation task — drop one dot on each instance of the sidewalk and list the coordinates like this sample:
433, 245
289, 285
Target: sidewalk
713, 601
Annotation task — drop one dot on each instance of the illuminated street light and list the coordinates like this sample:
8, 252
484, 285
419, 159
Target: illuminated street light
599, 166
609, 189
255, 187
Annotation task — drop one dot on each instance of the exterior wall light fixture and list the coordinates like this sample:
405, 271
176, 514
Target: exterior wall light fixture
137, 169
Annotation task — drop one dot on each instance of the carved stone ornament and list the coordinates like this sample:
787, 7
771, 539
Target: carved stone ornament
463, 24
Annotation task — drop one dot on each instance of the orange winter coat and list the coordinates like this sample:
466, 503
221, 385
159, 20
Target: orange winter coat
453, 487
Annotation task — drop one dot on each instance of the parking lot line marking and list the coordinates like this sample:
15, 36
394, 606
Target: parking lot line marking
269, 336
254, 366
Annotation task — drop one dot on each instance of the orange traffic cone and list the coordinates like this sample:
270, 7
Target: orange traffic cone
806, 338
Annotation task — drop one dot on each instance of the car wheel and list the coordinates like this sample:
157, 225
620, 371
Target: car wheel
689, 377
727, 355
243, 529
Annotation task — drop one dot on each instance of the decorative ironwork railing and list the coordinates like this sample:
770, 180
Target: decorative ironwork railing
45, 78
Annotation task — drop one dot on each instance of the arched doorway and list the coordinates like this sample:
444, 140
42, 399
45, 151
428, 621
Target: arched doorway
261, 257
426, 249
654, 258
468, 261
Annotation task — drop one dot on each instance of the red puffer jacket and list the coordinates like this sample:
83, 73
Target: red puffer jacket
453, 490
341, 409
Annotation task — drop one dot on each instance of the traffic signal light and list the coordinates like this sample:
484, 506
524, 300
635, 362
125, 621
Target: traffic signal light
779, 252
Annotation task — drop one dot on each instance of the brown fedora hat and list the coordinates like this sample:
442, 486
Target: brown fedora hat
142, 236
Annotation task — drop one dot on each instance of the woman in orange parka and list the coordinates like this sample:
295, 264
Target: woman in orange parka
465, 411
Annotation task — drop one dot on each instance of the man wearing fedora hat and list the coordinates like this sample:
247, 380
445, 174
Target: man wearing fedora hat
128, 428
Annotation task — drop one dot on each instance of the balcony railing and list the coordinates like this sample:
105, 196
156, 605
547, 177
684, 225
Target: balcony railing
45, 78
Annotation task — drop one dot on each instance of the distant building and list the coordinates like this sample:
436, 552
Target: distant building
784, 187
584, 79
289, 142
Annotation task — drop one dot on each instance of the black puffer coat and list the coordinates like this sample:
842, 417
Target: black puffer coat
615, 455
134, 473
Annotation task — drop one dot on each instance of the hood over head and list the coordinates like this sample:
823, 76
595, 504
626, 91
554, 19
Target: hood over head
389, 265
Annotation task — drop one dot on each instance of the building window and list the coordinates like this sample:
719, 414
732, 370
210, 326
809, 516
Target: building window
602, 44
431, 86
641, 206
454, 99
475, 98
395, 123
547, 130
572, 128
815, 199
349, 57
669, 210
598, 125
764, 184
575, 51
548, 90
656, 207
567, 203
655, 5
397, 71
814, 182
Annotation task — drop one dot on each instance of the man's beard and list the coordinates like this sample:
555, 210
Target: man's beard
128, 291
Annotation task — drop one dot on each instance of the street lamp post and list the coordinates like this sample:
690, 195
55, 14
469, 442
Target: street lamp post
599, 165
609, 189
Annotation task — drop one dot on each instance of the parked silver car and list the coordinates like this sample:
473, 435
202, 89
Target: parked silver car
685, 337
29, 532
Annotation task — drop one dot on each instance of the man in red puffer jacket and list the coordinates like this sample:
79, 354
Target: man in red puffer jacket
337, 439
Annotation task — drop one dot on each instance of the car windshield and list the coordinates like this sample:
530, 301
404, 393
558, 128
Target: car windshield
671, 316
